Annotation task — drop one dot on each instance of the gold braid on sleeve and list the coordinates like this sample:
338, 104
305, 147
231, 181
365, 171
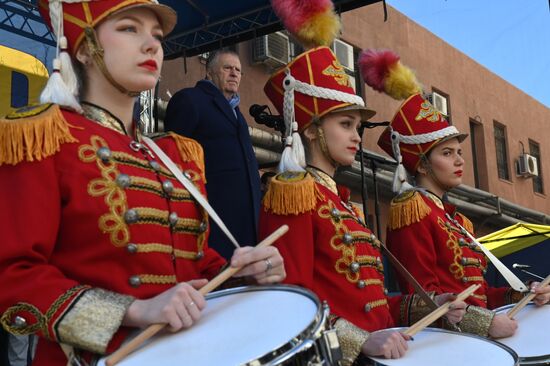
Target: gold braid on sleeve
477, 320
351, 339
93, 320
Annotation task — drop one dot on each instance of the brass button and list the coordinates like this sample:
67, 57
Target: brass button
104, 153
354, 267
199, 255
134, 281
131, 216
361, 284
173, 218
347, 238
367, 308
123, 180
19, 322
155, 165
132, 248
203, 226
168, 187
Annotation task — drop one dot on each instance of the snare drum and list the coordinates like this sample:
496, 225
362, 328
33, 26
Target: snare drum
267, 325
436, 347
531, 339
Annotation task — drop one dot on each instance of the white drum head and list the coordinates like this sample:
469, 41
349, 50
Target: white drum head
531, 340
438, 347
237, 326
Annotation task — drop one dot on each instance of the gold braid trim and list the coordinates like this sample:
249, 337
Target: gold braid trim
466, 223
477, 320
351, 339
157, 279
406, 209
165, 249
7, 320
33, 133
190, 150
512, 296
413, 308
291, 193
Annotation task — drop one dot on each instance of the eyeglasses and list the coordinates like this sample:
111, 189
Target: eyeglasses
229, 68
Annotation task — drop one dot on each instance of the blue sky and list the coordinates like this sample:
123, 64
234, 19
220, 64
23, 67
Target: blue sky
509, 37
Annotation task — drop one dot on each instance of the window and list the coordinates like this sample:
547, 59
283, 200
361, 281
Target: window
501, 151
442, 102
534, 150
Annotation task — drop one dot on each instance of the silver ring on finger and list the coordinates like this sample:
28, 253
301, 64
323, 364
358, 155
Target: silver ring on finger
268, 265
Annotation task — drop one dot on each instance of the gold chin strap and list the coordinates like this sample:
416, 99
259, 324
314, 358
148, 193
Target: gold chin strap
97, 54
324, 147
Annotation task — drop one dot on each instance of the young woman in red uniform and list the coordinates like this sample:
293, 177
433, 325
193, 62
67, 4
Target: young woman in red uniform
98, 237
425, 232
328, 249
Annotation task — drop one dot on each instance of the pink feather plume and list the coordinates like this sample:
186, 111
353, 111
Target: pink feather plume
295, 13
375, 65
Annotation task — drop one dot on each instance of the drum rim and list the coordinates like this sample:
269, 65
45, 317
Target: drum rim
498, 344
283, 352
532, 360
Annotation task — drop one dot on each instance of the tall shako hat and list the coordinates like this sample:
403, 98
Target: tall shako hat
314, 83
73, 21
417, 126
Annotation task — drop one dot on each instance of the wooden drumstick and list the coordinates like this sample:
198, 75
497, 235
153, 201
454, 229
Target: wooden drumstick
521, 304
153, 329
439, 312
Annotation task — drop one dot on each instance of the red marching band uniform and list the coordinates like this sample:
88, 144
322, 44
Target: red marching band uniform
428, 235
328, 249
94, 220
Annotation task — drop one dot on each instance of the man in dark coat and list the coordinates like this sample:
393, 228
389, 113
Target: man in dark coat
209, 113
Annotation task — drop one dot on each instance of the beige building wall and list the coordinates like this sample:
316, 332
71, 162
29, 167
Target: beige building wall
474, 93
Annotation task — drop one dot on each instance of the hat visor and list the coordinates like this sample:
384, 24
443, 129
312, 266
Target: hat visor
365, 112
460, 136
167, 16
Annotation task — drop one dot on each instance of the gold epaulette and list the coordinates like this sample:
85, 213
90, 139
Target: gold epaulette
33, 133
291, 193
406, 209
190, 150
466, 223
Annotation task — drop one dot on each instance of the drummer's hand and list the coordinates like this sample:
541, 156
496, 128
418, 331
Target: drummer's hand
179, 307
458, 308
386, 343
502, 326
543, 293
264, 264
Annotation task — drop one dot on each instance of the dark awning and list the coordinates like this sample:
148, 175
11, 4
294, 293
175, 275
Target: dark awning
205, 25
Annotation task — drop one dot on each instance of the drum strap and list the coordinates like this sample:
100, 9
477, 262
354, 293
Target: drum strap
190, 187
510, 277
409, 277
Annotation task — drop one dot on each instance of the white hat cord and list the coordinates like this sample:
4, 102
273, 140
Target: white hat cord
293, 156
400, 182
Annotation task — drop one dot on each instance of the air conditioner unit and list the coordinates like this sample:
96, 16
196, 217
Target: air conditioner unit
344, 54
527, 166
439, 102
272, 50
